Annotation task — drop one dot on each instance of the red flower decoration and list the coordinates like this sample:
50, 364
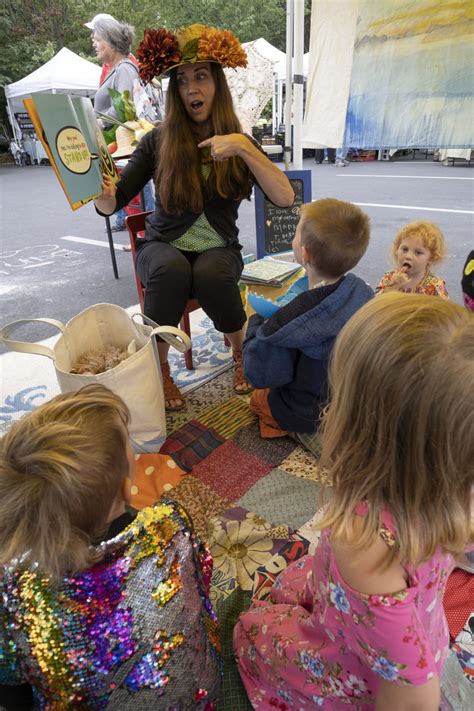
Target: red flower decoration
157, 52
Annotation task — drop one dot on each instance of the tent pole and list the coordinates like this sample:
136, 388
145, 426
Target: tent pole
280, 117
16, 129
298, 48
288, 84
274, 105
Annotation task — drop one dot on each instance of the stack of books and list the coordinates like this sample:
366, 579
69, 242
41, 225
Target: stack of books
268, 272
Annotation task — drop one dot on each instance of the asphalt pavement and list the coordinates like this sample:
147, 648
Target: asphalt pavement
55, 262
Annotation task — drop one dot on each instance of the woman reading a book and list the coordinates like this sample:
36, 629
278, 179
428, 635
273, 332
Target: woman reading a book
203, 166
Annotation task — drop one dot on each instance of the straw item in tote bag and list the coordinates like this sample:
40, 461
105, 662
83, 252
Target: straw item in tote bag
137, 379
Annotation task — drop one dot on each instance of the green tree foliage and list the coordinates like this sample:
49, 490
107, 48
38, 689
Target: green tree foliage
248, 20
32, 31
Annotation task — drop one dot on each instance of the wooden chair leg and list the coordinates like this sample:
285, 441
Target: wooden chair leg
186, 327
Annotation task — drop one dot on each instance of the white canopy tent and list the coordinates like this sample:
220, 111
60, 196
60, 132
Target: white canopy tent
65, 73
276, 56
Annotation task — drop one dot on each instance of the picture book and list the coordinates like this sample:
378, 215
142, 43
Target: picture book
72, 138
268, 271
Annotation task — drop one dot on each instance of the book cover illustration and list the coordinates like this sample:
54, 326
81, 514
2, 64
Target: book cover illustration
73, 141
35, 120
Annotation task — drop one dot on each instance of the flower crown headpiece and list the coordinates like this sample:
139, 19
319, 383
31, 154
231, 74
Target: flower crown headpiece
162, 50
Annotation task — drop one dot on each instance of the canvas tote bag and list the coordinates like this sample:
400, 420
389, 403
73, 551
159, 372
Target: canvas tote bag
137, 379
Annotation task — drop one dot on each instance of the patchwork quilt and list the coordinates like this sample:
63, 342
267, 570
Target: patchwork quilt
256, 503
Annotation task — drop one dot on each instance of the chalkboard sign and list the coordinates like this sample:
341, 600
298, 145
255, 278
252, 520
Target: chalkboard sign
275, 225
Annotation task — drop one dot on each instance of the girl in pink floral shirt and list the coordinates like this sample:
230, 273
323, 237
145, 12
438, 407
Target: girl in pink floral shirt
361, 622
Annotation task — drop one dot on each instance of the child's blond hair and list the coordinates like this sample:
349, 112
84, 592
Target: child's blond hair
335, 233
399, 430
61, 468
430, 235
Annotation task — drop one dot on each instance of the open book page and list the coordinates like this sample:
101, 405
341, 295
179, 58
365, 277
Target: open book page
78, 166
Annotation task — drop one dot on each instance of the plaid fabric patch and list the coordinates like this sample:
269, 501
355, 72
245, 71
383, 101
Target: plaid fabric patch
191, 444
228, 417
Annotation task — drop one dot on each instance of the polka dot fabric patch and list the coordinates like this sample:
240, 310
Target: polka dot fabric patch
155, 474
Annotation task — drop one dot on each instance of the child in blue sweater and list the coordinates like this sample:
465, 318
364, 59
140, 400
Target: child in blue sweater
286, 356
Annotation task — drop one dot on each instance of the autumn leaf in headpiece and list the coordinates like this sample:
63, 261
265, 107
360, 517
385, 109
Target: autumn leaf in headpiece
157, 52
221, 46
187, 34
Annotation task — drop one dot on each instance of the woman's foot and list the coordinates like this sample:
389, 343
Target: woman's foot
173, 398
241, 386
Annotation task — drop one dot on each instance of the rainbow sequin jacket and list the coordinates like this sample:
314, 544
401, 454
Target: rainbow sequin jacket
135, 631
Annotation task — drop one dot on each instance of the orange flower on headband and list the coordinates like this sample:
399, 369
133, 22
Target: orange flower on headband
157, 52
221, 46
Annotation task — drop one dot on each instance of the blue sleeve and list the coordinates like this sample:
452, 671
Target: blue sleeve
266, 365
255, 321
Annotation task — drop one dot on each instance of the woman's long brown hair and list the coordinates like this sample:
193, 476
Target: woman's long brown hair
177, 175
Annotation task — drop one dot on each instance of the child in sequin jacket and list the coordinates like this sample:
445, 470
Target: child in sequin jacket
99, 608
415, 249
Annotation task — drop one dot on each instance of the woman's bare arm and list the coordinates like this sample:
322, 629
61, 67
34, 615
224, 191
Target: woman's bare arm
425, 697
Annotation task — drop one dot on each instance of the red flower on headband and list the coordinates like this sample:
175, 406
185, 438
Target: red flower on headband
157, 52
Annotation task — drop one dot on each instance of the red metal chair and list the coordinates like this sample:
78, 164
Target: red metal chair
136, 227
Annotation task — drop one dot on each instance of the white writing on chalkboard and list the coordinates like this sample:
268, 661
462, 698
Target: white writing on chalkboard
280, 222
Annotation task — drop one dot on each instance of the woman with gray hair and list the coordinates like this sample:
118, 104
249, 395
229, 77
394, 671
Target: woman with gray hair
112, 40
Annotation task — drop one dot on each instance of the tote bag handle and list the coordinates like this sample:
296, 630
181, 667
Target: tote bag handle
25, 346
173, 336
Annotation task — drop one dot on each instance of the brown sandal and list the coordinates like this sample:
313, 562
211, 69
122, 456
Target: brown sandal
241, 386
170, 389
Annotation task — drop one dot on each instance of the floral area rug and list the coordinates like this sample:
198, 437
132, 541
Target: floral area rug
27, 381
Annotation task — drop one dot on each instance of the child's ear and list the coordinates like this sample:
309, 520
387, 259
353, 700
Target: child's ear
306, 256
126, 490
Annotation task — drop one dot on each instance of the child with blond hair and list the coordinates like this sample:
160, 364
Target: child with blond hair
99, 607
360, 623
416, 248
286, 356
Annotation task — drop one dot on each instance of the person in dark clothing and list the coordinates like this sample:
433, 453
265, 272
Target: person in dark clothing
286, 356
203, 166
